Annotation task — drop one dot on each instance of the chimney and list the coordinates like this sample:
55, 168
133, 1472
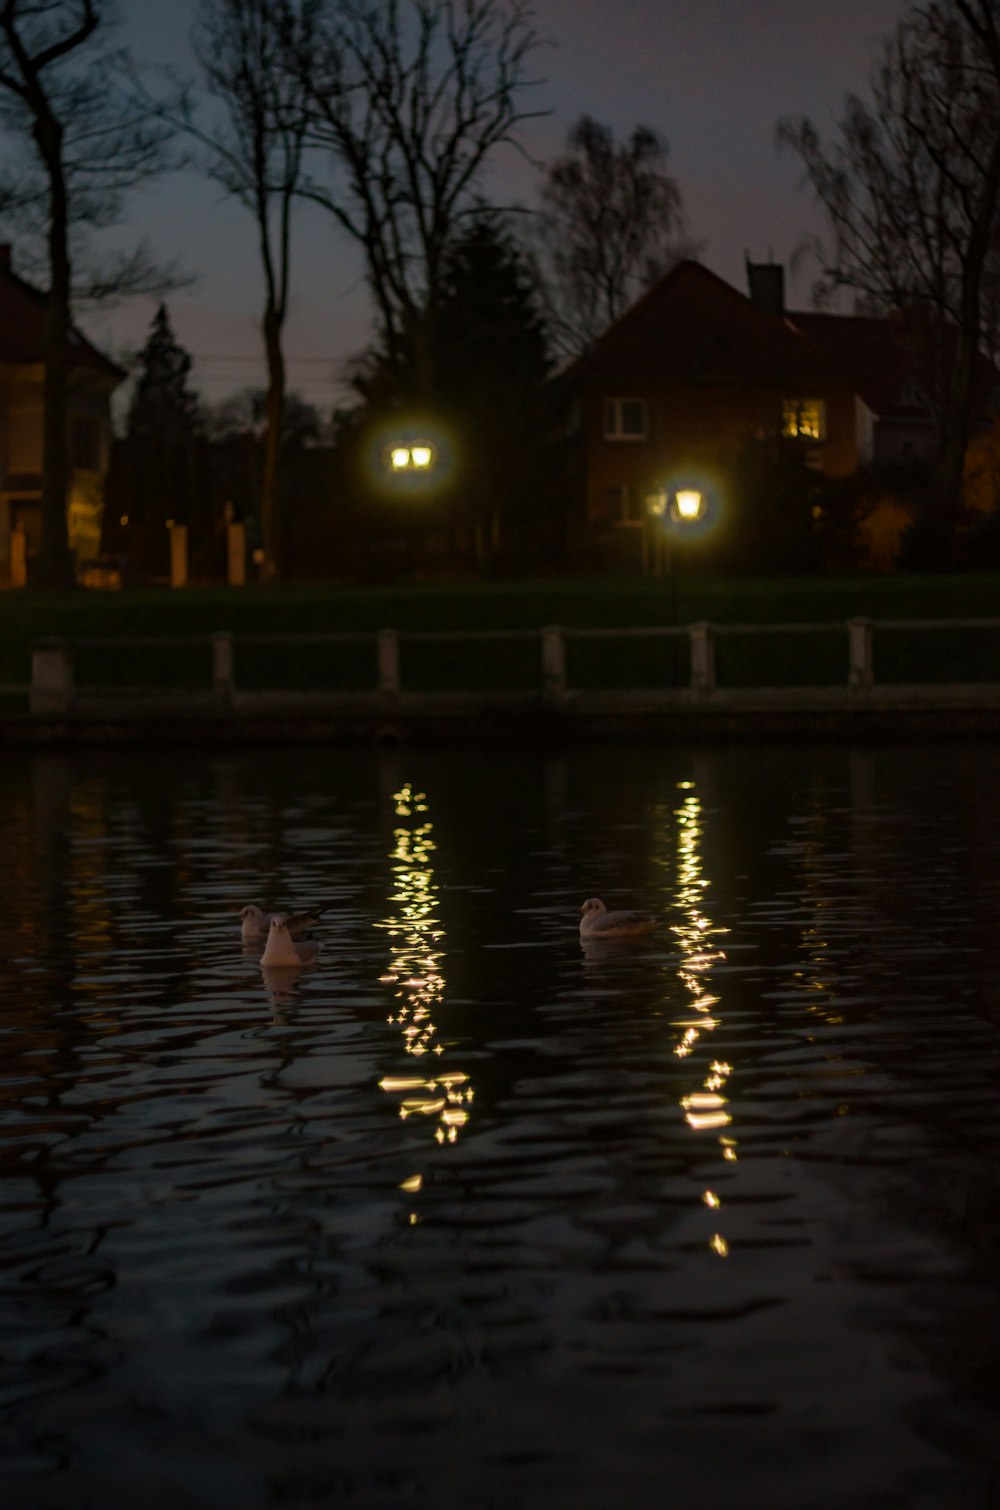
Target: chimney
766, 282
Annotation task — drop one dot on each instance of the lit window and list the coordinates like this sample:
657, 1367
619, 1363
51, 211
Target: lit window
625, 419
805, 418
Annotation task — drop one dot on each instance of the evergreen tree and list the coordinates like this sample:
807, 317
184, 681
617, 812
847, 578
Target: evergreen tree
159, 473
493, 369
492, 406
163, 404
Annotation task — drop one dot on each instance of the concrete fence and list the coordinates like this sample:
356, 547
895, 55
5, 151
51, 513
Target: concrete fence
53, 688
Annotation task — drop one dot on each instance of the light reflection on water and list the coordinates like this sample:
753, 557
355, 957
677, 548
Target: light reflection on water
440, 1219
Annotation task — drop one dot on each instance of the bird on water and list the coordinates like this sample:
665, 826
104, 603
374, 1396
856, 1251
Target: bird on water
598, 923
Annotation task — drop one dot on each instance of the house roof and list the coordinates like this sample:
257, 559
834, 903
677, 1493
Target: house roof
694, 328
885, 371
22, 317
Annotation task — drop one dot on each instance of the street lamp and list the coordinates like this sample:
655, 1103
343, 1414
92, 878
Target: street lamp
410, 456
690, 504
672, 512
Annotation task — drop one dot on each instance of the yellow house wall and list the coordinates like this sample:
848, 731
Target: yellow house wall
21, 447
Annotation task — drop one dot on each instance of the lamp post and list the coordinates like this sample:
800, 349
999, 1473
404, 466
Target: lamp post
674, 511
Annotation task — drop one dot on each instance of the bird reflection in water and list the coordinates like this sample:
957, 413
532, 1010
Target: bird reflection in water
705, 1108
281, 984
440, 1094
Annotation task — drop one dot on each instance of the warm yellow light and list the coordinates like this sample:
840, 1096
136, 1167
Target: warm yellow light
689, 503
124, 519
421, 456
399, 457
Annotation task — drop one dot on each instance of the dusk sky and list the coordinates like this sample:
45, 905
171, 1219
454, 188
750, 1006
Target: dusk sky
712, 76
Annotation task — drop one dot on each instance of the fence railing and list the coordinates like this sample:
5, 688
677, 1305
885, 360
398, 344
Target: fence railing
53, 688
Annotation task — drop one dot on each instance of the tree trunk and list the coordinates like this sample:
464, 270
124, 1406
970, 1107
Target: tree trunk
270, 487
55, 565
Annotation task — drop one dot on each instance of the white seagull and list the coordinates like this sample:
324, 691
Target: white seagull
256, 923
282, 949
598, 923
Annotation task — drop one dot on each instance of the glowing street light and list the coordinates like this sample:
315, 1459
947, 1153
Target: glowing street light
690, 504
416, 456
673, 512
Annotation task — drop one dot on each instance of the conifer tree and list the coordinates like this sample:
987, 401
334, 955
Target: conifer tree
159, 475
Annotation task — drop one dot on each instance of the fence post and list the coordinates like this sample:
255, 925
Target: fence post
178, 555
223, 678
388, 662
18, 557
236, 555
51, 677
553, 663
861, 669
702, 658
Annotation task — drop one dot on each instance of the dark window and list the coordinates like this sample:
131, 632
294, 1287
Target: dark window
625, 419
86, 446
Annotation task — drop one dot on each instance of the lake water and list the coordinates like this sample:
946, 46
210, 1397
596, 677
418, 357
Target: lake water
468, 1215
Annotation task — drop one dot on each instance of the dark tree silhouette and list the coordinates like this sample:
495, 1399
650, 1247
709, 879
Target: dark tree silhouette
80, 142
911, 188
610, 224
410, 98
255, 151
492, 398
158, 465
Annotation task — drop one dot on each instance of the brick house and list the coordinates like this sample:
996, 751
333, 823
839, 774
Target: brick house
92, 380
695, 369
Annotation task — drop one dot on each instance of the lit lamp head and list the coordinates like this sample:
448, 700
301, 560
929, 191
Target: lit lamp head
689, 504
656, 504
416, 456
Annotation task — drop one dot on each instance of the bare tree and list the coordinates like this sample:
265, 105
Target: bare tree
911, 189
256, 154
410, 98
611, 224
82, 142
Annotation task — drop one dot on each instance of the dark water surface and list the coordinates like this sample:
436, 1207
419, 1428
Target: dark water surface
466, 1216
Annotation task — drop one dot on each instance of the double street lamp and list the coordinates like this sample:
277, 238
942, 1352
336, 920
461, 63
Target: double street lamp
670, 512
410, 456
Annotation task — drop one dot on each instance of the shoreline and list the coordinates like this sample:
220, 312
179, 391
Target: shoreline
419, 718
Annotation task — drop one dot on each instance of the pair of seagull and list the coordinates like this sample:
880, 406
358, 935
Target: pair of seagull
282, 933
285, 946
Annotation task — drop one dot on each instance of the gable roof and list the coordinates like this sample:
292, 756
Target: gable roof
885, 370
22, 320
694, 328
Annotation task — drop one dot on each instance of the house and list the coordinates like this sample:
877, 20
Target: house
695, 369
92, 380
